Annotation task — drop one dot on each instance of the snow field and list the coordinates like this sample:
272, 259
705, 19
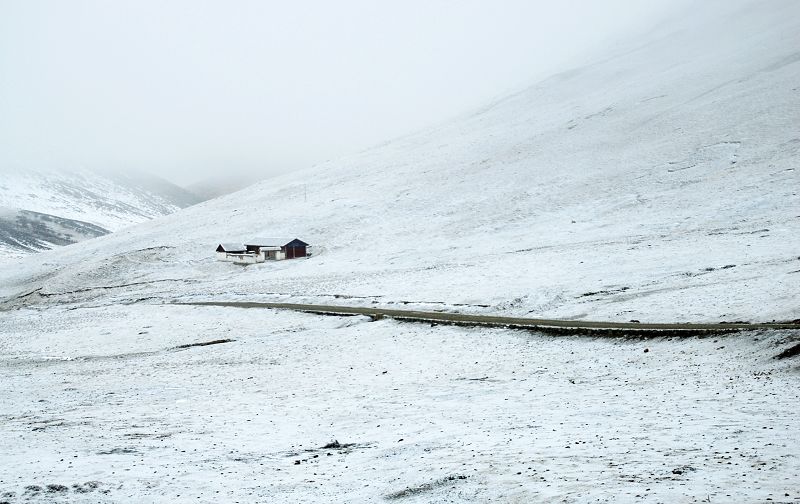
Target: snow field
100, 396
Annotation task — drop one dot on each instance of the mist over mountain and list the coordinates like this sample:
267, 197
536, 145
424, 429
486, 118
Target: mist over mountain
569, 294
646, 185
49, 208
221, 185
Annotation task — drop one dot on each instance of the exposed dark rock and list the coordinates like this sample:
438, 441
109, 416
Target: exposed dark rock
205, 343
425, 487
789, 352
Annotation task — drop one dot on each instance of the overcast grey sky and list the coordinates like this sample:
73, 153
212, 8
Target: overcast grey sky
187, 88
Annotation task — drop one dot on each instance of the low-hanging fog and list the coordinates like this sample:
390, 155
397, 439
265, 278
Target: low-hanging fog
189, 89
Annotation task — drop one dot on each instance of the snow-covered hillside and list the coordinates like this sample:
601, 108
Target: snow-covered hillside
659, 183
43, 209
104, 406
23, 231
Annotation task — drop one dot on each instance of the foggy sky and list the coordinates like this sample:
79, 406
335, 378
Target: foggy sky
189, 88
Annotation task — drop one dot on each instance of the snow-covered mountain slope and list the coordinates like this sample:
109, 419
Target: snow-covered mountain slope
658, 184
215, 187
41, 203
28, 231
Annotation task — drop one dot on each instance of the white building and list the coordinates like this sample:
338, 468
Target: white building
259, 250
277, 249
226, 251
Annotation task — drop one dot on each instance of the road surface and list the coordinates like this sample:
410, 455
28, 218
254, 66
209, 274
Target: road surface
538, 324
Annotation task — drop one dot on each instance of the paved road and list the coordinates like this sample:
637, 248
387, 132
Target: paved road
545, 325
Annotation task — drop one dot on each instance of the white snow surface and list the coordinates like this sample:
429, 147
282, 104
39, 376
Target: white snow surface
108, 200
84, 195
97, 405
659, 184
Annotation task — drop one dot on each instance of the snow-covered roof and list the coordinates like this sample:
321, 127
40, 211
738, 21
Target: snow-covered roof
231, 247
269, 242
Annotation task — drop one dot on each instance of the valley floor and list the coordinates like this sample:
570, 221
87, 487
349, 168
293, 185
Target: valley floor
99, 405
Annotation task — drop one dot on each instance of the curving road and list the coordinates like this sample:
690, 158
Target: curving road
538, 324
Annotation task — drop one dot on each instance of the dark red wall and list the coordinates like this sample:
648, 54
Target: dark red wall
294, 252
